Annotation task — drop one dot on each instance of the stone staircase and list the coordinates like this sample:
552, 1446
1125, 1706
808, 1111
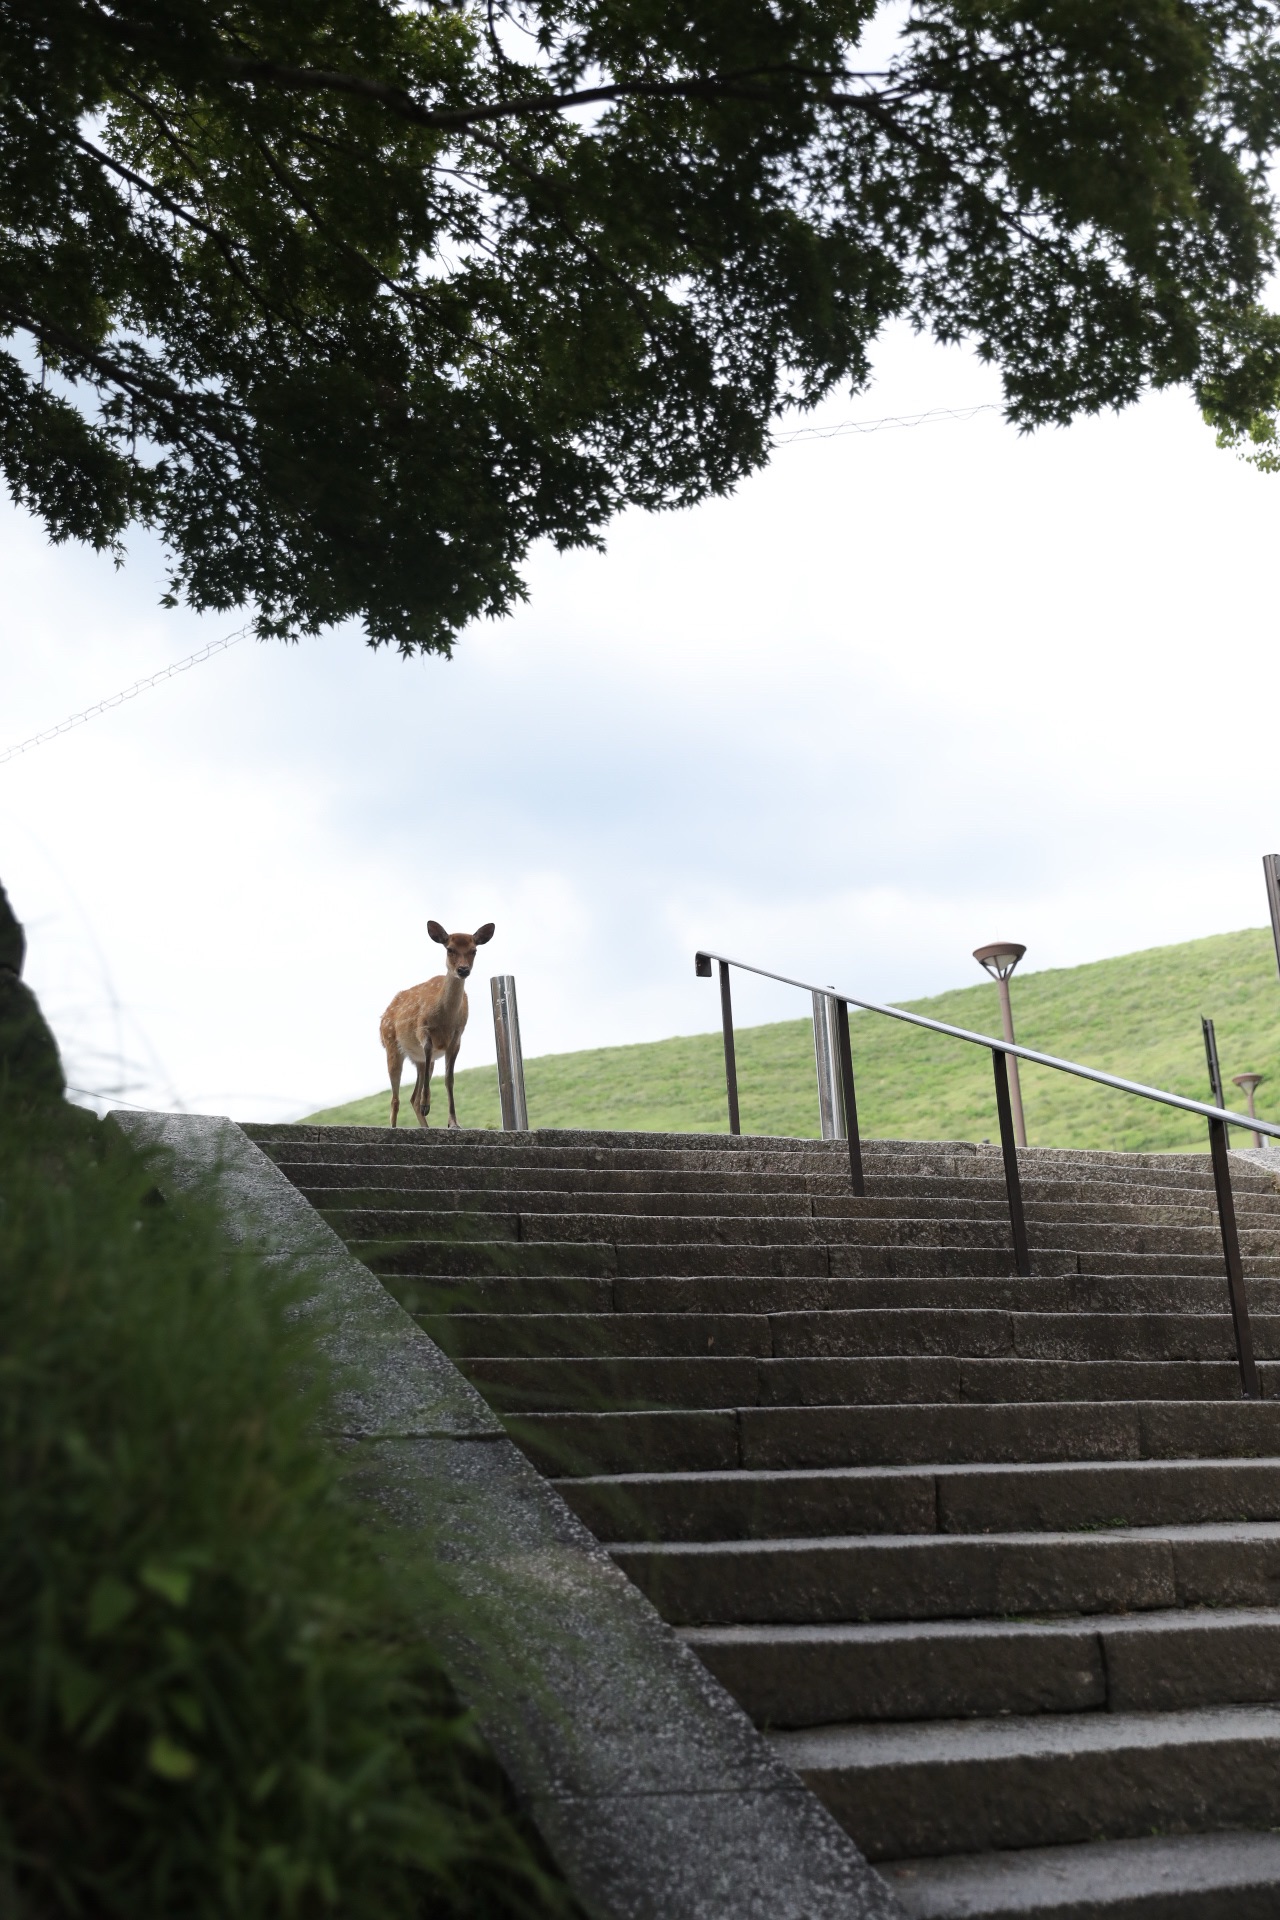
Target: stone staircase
995, 1561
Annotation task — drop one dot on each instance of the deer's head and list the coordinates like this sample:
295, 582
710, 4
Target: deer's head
460, 948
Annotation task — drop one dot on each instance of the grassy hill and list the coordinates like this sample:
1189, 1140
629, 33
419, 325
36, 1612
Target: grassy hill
1138, 1015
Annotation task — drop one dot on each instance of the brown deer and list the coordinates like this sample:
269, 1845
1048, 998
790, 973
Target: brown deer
424, 1022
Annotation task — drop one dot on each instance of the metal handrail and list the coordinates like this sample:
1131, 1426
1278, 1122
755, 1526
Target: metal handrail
1219, 1119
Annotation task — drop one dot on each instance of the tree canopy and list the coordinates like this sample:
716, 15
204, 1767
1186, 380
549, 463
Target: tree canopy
354, 300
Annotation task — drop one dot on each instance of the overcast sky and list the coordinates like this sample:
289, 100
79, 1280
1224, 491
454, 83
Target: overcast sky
908, 691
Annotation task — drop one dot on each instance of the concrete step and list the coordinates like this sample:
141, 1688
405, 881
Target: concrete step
434, 1297
998, 1559
298, 1145
724, 1229
461, 1258
780, 1261
1049, 1779
1206, 1876
762, 1294
715, 1229
807, 1676
783, 1261
753, 1197
1031, 1336
421, 1202
729, 1176
708, 1380
1055, 1496
971, 1333
1156, 1292
463, 1335
276, 1131
957, 1576
785, 1438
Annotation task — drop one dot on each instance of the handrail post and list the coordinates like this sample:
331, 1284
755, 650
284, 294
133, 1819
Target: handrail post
856, 1180
730, 1057
506, 1033
826, 1056
1012, 1178
1250, 1384
702, 967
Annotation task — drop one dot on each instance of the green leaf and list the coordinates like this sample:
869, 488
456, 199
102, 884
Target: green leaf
187, 1709
111, 1601
169, 1760
78, 1690
171, 1583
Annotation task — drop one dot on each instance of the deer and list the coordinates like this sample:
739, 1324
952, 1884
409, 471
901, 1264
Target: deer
428, 1020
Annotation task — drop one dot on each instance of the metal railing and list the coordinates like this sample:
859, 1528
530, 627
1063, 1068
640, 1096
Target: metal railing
1219, 1119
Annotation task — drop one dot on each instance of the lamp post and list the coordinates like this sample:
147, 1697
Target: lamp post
1000, 959
1249, 1082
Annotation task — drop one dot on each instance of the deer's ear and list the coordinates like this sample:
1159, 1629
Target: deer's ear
483, 933
437, 932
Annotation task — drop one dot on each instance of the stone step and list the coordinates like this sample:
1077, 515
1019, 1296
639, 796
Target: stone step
638, 1152
957, 1576
463, 1335
441, 1174
540, 1138
368, 1224
972, 1333
667, 1294
751, 1199
812, 1503
529, 1384
785, 1438
1049, 1779
450, 1296
298, 1145
997, 1559
1205, 1876
1030, 1335
1069, 1292
463, 1259
813, 1260
807, 1676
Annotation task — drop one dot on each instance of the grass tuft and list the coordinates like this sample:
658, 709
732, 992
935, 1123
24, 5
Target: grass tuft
212, 1701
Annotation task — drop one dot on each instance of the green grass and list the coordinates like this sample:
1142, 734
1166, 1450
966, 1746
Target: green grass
1138, 1015
218, 1698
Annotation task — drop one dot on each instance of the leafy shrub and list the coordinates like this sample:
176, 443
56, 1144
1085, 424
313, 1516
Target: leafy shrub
211, 1701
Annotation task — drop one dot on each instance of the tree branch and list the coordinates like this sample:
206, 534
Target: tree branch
527, 106
165, 395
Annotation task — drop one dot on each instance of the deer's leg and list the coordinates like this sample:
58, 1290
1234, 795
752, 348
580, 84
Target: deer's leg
422, 1091
395, 1068
451, 1054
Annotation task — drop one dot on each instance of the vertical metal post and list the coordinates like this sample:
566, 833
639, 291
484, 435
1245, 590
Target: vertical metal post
1012, 1179
1249, 1084
856, 1179
730, 1058
1015, 1084
1250, 1384
1211, 1061
506, 1033
826, 1055
1271, 870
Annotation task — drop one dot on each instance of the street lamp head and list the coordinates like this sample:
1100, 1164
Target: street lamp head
1000, 958
1248, 1081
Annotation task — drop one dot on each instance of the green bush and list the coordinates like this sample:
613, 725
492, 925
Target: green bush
211, 1700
